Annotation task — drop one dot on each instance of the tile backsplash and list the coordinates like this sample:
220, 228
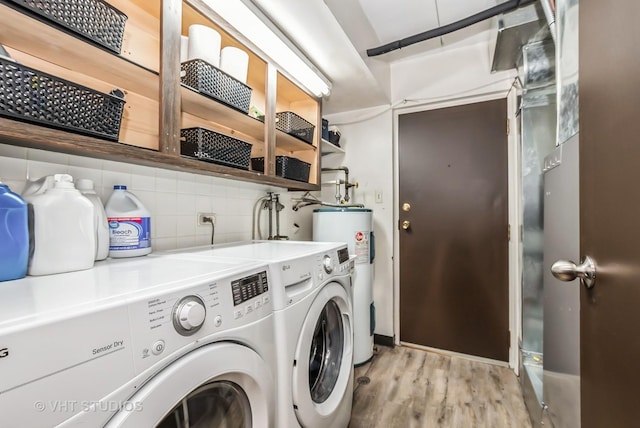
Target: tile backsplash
173, 198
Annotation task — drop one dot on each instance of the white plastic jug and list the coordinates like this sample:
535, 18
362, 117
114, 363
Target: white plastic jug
86, 187
39, 186
129, 224
64, 233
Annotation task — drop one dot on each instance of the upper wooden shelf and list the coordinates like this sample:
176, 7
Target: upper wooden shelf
29, 35
199, 105
33, 136
291, 144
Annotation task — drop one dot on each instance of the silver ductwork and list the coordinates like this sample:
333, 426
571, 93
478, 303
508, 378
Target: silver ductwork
516, 29
550, 15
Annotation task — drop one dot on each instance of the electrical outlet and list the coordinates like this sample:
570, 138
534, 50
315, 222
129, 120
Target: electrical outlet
203, 219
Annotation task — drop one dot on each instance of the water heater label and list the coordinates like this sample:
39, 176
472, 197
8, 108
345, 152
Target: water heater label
129, 233
361, 245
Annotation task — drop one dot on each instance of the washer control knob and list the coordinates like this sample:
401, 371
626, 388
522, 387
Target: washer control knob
327, 264
189, 315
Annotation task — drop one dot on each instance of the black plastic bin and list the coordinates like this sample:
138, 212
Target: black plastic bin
286, 167
33, 96
94, 20
207, 145
215, 83
293, 124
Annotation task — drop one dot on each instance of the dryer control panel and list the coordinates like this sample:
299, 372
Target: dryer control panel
295, 278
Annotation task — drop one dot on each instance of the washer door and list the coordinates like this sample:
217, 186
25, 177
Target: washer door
219, 385
324, 358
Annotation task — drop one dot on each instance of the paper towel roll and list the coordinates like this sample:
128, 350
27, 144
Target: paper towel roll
204, 43
235, 62
184, 48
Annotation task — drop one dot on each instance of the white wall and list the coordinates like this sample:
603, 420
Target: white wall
368, 139
174, 198
450, 75
369, 158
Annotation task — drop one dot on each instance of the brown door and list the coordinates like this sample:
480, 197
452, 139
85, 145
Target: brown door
610, 212
454, 254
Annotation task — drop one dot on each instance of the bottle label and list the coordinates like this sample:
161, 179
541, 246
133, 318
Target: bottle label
129, 233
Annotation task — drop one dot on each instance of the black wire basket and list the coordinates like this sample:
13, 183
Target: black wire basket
33, 96
286, 167
207, 145
215, 83
293, 124
94, 20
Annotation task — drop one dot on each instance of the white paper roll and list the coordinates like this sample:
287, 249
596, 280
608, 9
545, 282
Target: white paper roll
235, 62
204, 43
184, 48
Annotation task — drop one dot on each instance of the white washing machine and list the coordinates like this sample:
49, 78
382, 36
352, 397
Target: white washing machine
313, 318
145, 342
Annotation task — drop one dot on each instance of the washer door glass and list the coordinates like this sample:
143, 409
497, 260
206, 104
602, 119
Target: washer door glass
218, 404
325, 357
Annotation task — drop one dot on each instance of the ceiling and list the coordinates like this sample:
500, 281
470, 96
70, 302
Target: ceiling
335, 34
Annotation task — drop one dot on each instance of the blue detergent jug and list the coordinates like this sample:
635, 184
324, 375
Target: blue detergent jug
14, 235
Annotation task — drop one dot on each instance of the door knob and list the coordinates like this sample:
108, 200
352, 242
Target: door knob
406, 225
566, 270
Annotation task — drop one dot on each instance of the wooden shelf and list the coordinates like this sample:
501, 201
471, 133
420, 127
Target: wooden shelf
290, 143
38, 137
328, 147
26, 34
199, 105
151, 95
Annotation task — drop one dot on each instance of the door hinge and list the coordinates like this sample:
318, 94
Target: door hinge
508, 127
508, 232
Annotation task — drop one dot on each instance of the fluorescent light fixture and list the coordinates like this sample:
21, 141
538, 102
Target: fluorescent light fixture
244, 20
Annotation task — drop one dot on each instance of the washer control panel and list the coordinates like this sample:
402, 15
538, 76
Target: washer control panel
249, 287
165, 322
327, 263
336, 263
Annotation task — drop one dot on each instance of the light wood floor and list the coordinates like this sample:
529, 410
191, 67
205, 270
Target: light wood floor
413, 388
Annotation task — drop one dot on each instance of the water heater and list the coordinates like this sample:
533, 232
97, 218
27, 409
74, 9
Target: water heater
355, 227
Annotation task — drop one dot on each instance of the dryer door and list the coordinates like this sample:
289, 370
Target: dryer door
218, 385
323, 373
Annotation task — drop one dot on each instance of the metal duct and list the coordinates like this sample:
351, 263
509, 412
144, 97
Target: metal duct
505, 7
550, 14
515, 30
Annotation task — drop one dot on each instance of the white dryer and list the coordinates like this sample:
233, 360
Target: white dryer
145, 342
313, 318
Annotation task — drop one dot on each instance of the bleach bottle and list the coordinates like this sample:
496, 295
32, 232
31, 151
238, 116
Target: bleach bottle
129, 224
64, 234
14, 235
86, 187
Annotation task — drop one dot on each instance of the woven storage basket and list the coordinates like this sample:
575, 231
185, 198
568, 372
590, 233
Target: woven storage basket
216, 84
293, 124
95, 20
286, 167
211, 146
33, 96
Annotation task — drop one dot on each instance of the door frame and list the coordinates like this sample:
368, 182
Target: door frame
514, 215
